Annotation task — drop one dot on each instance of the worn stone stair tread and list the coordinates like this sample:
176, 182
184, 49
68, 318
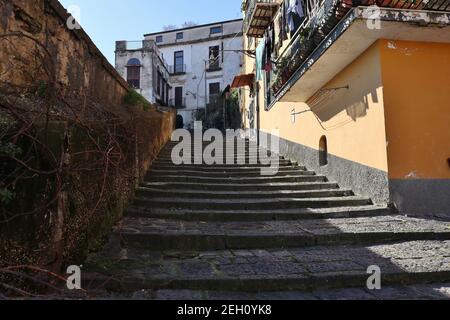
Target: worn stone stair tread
313, 227
234, 165
263, 153
220, 170
249, 203
431, 291
306, 268
225, 174
257, 215
224, 168
168, 160
263, 179
216, 194
200, 235
245, 186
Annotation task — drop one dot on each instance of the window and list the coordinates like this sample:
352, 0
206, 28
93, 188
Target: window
216, 30
158, 82
214, 92
178, 62
159, 39
214, 88
323, 151
179, 97
167, 93
180, 36
134, 73
214, 58
163, 90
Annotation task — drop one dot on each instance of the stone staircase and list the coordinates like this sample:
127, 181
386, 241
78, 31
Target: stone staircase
225, 231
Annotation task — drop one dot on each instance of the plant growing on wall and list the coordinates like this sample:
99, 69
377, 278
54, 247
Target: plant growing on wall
133, 98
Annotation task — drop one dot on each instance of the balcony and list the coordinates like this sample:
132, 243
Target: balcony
335, 32
214, 65
258, 16
177, 69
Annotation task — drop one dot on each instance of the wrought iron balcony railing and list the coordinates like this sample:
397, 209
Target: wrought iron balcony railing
177, 69
322, 16
214, 65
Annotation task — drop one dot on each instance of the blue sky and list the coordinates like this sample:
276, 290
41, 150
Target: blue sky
109, 20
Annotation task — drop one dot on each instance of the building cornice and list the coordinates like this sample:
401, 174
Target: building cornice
193, 27
208, 39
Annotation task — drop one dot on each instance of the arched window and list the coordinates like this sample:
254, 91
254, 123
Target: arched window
323, 151
134, 73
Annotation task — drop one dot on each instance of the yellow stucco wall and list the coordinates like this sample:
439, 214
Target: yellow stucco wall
352, 120
416, 78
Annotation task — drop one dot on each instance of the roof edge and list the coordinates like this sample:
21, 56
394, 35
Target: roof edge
193, 27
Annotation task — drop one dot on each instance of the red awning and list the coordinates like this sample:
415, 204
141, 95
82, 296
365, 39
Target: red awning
243, 80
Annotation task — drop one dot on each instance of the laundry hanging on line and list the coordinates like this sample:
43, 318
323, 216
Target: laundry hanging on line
259, 60
295, 14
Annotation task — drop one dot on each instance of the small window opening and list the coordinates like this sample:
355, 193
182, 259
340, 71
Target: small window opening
323, 151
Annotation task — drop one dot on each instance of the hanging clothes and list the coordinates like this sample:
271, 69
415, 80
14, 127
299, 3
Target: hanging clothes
295, 15
283, 21
276, 38
276, 41
267, 63
260, 60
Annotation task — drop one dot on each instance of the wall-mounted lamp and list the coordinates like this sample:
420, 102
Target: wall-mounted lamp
191, 93
295, 114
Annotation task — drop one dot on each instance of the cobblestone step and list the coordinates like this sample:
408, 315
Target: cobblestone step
281, 163
156, 234
215, 194
235, 180
245, 174
224, 168
432, 291
225, 144
224, 152
242, 187
295, 269
257, 215
250, 204
232, 160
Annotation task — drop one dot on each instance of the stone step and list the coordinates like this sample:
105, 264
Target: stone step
257, 215
224, 174
223, 168
249, 204
214, 194
224, 160
293, 269
226, 156
204, 144
281, 163
236, 180
254, 187
168, 152
431, 291
156, 234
